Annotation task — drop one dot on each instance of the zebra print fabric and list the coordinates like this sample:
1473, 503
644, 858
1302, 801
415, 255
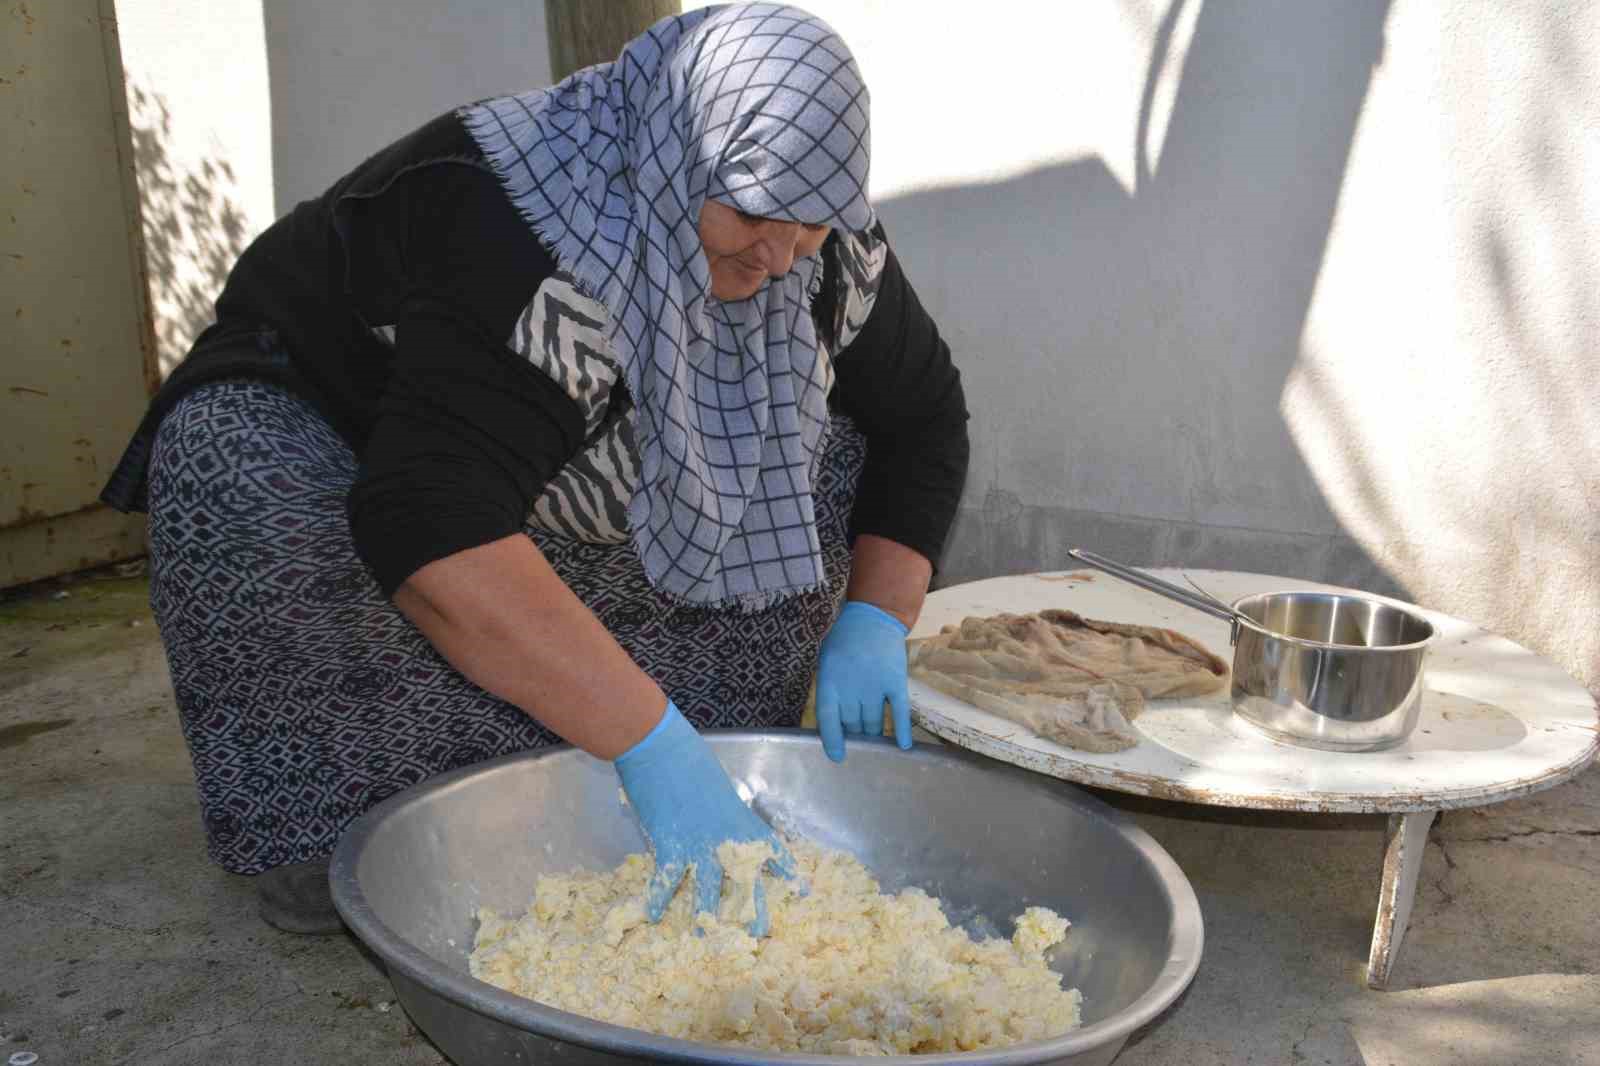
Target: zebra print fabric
861, 259
563, 334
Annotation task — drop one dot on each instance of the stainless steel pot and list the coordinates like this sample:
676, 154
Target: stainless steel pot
1320, 669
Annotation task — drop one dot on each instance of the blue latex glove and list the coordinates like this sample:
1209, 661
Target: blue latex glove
863, 663
688, 807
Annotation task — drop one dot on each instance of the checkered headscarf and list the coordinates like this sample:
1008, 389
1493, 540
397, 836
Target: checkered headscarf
758, 106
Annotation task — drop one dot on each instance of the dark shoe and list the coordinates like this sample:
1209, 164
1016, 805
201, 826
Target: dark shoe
295, 898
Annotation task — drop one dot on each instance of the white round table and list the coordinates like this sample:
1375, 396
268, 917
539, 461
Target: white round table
1497, 721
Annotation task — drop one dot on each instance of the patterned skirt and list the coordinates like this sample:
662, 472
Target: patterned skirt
306, 697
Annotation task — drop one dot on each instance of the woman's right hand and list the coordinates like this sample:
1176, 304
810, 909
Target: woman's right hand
688, 808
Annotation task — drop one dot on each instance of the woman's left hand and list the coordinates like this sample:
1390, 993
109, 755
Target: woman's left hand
862, 665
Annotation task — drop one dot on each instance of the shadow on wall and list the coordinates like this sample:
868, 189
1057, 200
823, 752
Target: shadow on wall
1507, 528
194, 229
1147, 336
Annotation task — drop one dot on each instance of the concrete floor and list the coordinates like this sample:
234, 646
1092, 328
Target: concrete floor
120, 943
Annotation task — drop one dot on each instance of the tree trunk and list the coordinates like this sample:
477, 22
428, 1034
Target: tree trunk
585, 32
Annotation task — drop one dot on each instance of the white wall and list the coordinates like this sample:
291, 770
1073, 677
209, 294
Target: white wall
1446, 395
1304, 288
200, 114
241, 108
349, 76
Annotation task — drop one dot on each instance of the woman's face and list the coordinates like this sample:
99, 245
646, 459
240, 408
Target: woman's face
744, 250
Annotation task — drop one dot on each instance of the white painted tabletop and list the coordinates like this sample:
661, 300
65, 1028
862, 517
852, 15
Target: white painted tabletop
1497, 720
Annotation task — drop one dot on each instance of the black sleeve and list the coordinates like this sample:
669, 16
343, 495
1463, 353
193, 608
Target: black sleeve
465, 439
467, 432
897, 380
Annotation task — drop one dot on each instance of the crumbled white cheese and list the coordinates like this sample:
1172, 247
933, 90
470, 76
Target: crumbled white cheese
847, 969
1038, 930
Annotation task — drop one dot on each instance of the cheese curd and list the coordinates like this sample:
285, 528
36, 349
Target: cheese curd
847, 969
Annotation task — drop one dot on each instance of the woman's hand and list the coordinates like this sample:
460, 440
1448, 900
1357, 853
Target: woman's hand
688, 808
862, 666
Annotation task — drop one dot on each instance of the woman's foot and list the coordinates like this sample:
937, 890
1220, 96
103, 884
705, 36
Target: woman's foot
296, 899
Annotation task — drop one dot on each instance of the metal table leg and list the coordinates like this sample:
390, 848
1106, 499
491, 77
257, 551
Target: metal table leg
1406, 839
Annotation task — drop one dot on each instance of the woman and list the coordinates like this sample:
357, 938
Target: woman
568, 416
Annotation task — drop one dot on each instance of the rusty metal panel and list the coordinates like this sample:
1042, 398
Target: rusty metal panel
77, 541
74, 336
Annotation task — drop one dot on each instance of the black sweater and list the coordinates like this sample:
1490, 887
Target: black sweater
457, 434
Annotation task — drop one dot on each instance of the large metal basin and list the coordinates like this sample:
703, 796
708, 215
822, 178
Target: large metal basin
986, 838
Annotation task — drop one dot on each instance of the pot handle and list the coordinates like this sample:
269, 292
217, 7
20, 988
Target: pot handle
1198, 600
